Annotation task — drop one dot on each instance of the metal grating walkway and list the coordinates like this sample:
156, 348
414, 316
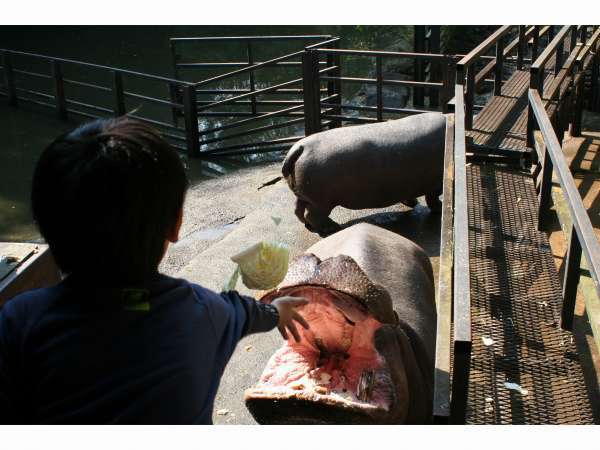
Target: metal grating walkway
516, 298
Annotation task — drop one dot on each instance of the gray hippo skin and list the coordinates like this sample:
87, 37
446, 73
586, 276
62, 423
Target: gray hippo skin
368, 357
366, 166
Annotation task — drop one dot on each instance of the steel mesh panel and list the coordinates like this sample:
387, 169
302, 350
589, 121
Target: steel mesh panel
516, 298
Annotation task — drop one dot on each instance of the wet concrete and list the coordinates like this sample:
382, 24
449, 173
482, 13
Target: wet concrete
213, 231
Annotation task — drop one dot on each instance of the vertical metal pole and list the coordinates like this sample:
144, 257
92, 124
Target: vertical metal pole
578, 113
379, 89
337, 61
533, 84
521, 47
573, 40
469, 97
310, 80
251, 78
536, 43
545, 196
571, 280
175, 96
59, 90
435, 72
595, 81
559, 57
190, 112
118, 98
419, 73
583, 34
9, 79
499, 66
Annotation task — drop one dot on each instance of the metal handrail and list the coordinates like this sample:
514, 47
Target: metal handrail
252, 38
462, 284
583, 237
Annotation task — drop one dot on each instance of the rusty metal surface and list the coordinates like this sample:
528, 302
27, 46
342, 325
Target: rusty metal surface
516, 298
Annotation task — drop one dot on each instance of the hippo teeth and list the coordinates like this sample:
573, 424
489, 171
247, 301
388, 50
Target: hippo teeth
364, 388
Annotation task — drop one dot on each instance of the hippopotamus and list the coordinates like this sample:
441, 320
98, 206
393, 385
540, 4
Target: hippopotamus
366, 166
368, 356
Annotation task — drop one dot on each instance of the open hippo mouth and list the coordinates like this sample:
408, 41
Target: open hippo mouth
335, 374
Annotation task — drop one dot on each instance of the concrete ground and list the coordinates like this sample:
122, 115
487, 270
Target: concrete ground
224, 216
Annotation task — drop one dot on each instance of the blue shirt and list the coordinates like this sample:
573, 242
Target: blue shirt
73, 354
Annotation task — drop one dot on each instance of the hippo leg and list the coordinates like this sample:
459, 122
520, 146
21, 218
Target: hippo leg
433, 201
317, 220
411, 202
300, 209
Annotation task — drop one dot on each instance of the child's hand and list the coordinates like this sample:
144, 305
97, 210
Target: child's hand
286, 307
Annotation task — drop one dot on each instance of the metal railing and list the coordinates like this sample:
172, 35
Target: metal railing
58, 81
335, 81
582, 237
467, 66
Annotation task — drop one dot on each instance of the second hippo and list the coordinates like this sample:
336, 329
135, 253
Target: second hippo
366, 166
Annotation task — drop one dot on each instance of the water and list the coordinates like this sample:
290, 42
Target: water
26, 130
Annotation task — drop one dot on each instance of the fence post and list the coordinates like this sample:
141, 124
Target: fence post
419, 72
536, 43
59, 90
310, 79
379, 88
9, 79
578, 110
499, 66
175, 96
469, 97
190, 111
573, 40
534, 79
545, 196
521, 47
595, 80
118, 98
559, 57
251, 77
571, 280
337, 61
435, 65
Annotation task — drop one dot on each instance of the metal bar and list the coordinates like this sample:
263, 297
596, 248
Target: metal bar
252, 38
96, 66
59, 90
484, 46
32, 74
499, 66
435, 66
215, 65
536, 42
251, 77
419, 68
310, 81
558, 60
254, 130
87, 105
9, 79
462, 287
152, 99
374, 53
253, 144
426, 84
571, 280
118, 98
521, 47
190, 110
337, 85
578, 113
250, 94
83, 84
581, 221
544, 196
39, 94
469, 97
379, 71
281, 112
540, 61
441, 383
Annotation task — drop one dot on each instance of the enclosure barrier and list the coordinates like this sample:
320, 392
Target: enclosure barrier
582, 237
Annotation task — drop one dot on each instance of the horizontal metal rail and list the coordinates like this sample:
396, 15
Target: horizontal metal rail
376, 53
252, 38
461, 284
427, 84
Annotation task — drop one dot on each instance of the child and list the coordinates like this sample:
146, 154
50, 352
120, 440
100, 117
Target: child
117, 342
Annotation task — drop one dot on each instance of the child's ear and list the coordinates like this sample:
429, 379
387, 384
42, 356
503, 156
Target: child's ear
173, 235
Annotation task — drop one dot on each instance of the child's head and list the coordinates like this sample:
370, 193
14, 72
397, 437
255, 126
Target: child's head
106, 197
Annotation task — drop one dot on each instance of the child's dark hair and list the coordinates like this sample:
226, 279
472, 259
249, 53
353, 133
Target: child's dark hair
105, 196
